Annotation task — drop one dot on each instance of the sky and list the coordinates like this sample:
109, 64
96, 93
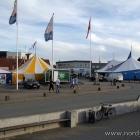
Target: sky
115, 27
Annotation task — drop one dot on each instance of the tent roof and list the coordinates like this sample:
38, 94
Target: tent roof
129, 64
4, 71
34, 65
106, 67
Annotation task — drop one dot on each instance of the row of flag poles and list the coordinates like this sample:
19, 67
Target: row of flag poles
48, 34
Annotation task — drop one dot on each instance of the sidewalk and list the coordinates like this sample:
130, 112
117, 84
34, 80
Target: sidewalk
27, 95
122, 127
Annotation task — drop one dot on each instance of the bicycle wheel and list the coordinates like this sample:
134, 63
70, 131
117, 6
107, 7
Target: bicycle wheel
111, 113
99, 115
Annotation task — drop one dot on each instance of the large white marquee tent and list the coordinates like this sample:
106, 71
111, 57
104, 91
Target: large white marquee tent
129, 68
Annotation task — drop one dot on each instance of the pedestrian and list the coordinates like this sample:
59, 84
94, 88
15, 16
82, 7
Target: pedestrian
57, 85
135, 77
23, 79
76, 82
71, 82
51, 85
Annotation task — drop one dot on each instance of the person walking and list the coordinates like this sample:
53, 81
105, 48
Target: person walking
23, 79
57, 85
76, 82
51, 85
71, 82
135, 77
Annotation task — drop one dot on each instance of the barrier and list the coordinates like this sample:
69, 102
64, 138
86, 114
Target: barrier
44, 94
99, 88
27, 124
7, 98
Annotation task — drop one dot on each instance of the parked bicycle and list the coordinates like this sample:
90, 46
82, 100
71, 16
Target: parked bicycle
106, 110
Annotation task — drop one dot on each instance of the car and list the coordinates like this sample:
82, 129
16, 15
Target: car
31, 84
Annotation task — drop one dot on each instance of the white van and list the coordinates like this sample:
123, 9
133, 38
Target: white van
114, 76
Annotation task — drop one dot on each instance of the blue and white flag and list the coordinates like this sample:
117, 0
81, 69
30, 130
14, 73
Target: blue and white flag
13, 16
49, 31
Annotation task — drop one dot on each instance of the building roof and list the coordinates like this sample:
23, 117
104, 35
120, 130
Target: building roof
11, 62
73, 61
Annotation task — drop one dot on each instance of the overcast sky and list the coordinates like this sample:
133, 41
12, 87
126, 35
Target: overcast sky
115, 25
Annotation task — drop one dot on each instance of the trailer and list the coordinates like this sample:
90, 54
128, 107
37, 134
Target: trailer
64, 75
114, 76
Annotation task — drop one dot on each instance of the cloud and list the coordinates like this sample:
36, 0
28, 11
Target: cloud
114, 26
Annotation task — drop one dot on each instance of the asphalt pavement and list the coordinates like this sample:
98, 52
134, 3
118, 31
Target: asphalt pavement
28, 102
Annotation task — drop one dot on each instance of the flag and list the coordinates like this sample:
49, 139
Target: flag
13, 16
49, 31
34, 45
88, 28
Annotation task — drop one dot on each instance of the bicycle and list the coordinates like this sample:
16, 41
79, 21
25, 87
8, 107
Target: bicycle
106, 110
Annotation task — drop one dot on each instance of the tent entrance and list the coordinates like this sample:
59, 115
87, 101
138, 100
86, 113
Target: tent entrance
29, 76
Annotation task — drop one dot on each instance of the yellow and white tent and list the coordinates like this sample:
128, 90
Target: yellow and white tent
32, 69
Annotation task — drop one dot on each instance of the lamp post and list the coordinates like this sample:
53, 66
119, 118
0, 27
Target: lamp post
112, 75
108, 72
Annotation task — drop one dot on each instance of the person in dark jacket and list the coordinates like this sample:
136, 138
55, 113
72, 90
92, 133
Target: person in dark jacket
51, 85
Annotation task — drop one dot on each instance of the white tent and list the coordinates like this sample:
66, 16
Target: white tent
128, 65
129, 68
4, 71
108, 67
5, 76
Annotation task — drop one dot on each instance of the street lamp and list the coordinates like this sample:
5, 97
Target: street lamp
108, 72
112, 75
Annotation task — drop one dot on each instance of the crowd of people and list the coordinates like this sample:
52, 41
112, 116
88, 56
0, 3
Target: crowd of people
56, 85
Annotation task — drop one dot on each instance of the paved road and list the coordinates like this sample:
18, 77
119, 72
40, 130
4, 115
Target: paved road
124, 127
71, 102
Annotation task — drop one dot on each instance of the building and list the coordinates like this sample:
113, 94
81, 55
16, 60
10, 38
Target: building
96, 66
7, 54
75, 66
8, 60
79, 66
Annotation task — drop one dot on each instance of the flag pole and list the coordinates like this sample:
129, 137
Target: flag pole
52, 49
17, 41
35, 49
90, 46
131, 48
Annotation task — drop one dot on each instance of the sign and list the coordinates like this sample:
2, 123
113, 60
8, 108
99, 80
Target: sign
3, 78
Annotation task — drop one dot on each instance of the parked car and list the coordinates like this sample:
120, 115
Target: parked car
31, 84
